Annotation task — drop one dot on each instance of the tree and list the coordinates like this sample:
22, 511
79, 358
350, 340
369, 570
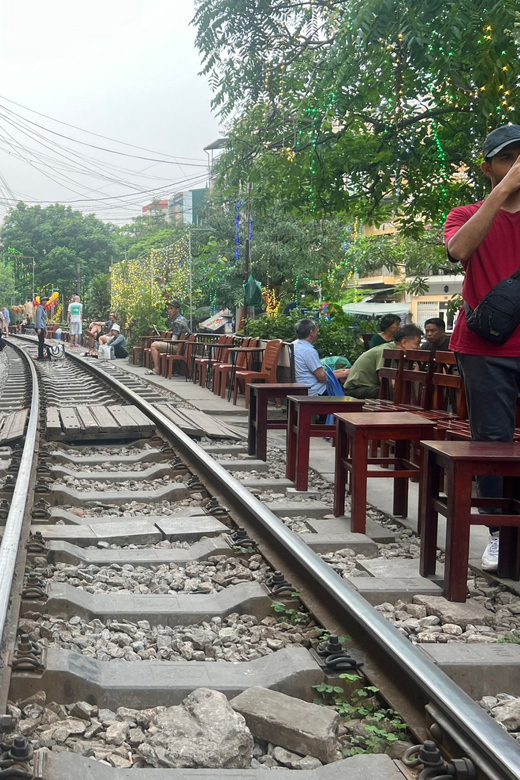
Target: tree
290, 254
145, 233
60, 240
367, 107
98, 297
6, 283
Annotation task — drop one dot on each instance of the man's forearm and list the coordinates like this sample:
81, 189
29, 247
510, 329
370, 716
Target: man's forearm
470, 236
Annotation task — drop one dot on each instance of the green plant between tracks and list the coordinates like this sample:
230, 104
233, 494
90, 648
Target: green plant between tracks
381, 724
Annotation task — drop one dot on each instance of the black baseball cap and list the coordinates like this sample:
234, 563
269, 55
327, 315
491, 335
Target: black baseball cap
500, 138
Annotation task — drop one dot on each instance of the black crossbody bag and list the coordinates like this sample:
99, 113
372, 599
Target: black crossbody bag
497, 316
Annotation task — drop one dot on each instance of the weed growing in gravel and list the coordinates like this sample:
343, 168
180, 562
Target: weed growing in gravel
512, 638
381, 725
297, 617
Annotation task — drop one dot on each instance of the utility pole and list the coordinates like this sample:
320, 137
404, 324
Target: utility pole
78, 271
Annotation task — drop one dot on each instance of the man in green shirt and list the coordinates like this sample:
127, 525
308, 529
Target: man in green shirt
363, 379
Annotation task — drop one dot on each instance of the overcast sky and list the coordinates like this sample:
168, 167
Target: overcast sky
126, 69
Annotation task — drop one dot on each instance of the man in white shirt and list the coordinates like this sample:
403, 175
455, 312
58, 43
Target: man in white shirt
307, 365
74, 318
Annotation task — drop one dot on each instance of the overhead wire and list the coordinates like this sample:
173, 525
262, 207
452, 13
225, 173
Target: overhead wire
56, 160
98, 135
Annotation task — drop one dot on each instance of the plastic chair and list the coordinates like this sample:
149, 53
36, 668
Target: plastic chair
267, 371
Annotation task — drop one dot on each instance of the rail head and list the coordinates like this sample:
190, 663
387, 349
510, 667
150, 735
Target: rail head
10, 545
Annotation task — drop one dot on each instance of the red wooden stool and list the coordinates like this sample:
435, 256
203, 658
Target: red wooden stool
463, 461
300, 430
353, 435
259, 423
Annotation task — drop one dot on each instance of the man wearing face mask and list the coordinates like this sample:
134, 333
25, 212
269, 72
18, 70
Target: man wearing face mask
485, 238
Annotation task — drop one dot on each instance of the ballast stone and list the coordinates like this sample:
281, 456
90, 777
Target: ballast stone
462, 614
289, 722
202, 731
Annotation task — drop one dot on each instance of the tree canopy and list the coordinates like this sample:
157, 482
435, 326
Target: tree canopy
59, 239
364, 107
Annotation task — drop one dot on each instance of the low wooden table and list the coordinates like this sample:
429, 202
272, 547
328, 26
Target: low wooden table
300, 430
463, 460
354, 432
259, 423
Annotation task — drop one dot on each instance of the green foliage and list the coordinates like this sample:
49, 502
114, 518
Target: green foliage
382, 724
6, 283
513, 638
145, 233
340, 336
59, 239
290, 254
97, 298
367, 107
297, 617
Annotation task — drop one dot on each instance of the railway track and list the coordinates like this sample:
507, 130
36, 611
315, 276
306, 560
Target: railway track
160, 581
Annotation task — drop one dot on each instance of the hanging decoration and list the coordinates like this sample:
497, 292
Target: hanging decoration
237, 248
151, 281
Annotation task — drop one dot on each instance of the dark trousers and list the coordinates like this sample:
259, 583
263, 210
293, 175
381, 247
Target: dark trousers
362, 391
492, 388
41, 339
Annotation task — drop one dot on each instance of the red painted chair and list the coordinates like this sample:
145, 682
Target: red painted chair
222, 371
215, 353
171, 348
180, 358
267, 371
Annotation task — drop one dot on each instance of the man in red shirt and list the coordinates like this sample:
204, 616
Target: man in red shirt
485, 238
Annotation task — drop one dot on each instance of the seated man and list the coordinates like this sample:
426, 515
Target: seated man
363, 379
307, 365
177, 326
436, 338
116, 340
95, 329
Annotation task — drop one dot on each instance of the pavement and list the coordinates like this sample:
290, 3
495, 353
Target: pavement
380, 491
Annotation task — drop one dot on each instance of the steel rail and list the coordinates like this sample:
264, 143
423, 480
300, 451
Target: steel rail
497, 753
9, 548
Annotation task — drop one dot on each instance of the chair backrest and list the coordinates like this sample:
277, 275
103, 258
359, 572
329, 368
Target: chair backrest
186, 346
272, 353
391, 375
448, 386
221, 351
242, 356
418, 368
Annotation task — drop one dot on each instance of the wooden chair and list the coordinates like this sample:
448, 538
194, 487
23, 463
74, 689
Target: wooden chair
215, 353
267, 371
182, 357
137, 351
391, 377
222, 371
147, 356
171, 348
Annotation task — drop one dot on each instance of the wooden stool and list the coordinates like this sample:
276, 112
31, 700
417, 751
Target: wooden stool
300, 430
353, 435
259, 423
463, 461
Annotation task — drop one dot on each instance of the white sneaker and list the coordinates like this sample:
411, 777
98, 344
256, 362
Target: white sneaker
490, 556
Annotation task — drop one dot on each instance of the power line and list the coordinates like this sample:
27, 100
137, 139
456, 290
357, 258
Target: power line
102, 148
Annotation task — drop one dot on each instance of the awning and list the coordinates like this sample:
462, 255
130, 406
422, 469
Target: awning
376, 309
